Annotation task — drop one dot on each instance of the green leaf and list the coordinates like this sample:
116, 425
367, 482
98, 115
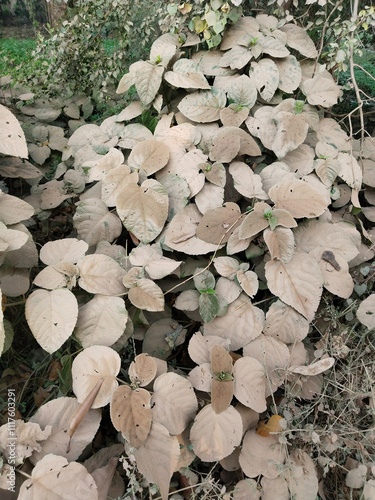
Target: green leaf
208, 306
204, 281
273, 222
172, 9
224, 377
214, 41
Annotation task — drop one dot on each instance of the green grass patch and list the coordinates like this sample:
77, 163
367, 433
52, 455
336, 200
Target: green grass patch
14, 53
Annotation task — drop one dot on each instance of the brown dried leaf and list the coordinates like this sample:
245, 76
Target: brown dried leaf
285, 323
221, 394
280, 243
149, 155
131, 414
142, 370
218, 224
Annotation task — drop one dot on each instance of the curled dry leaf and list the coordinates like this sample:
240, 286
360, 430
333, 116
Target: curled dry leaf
50, 477
142, 370
314, 368
28, 437
91, 365
215, 435
131, 414
58, 413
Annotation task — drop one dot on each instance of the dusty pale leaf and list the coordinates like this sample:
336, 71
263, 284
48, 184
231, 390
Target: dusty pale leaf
133, 134
285, 323
131, 111
50, 277
100, 168
51, 316
299, 198
14, 282
366, 312
188, 300
131, 414
250, 383
209, 197
91, 365
246, 182
66, 250
298, 39
236, 58
261, 455
178, 193
142, 370
101, 321
349, 170
147, 295
200, 347
226, 266
180, 235
243, 92
280, 243
53, 476
58, 414
290, 73
265, 75
335, 272
201, 377
298, 283
218, 224
273, 355
149, 155
143, 209
215, 435
369, 490
228, 289
321, 91
13, 209
248, 281
246, 489
291, 132
101, 274
255, 221
173, 402
203, 106
274, 488
147, 79
187, 75
242, 323
114, 183
157, 458
94, 222
233, 116
12, 137
14, 167
316, 234
356, 478
302, 477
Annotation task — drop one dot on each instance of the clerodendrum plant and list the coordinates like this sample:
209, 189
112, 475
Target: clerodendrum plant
233, 205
